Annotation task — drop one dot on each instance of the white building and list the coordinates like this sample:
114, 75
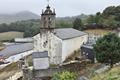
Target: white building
23, 40
60, 43
40, 60
14, 52
93, 38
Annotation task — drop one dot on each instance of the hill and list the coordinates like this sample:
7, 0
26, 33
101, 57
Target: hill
31, 27
24, 15
82, 16
5, 36
27, 15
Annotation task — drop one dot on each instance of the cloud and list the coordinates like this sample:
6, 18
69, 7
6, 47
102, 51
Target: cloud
63, 7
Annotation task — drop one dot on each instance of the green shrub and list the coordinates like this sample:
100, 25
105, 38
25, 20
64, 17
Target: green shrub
65, 75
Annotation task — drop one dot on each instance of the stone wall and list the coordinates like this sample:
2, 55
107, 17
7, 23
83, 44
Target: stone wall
30, 74
38, 74
47, 72
27, 74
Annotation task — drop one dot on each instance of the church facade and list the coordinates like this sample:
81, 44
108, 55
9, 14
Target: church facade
60, 43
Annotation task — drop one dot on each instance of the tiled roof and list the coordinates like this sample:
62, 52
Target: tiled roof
16, 49
68, 33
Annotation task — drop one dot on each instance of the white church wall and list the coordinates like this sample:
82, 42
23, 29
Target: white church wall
56, 50
70, 45
38, 43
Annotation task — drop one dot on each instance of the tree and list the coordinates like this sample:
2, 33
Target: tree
110, 22
77, 24
95, 19
109, 11
66, 75
107, 49
91, 19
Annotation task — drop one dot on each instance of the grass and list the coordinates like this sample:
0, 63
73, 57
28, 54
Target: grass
12, 69
8, 71
113, 74
10, 35
1, 48
98, 31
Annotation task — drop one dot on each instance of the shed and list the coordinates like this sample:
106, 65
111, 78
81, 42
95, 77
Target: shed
40, 60
24, 40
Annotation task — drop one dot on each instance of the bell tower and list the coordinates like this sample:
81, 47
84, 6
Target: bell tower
48, 18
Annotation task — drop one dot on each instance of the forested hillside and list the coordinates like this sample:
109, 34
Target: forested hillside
32, 27
108, 19
24, 15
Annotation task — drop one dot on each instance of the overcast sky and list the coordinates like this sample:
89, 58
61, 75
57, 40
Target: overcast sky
63, 7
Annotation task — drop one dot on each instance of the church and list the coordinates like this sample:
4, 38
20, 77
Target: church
58, 42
